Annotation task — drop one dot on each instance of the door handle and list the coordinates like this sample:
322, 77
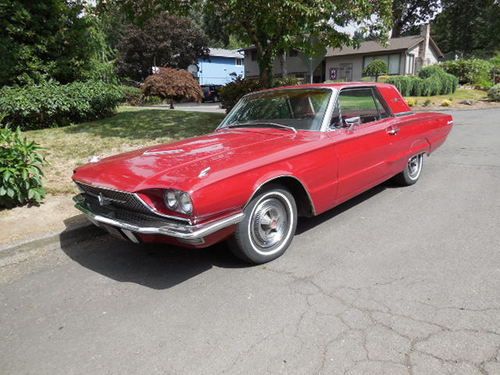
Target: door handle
393, 130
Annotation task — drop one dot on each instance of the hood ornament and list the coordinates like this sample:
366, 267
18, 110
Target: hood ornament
94, 159
204, 172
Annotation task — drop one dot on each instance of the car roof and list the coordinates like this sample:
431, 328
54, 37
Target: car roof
389, 92
337, 85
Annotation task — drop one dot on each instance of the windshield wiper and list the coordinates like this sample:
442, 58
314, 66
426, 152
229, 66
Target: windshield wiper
259, 123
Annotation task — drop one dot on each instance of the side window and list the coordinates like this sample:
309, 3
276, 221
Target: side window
381, 109
357, 103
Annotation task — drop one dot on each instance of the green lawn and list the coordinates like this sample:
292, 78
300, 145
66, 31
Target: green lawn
130, 128
459, 95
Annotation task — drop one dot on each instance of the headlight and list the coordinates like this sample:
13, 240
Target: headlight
185, 203
178, 201
171, 199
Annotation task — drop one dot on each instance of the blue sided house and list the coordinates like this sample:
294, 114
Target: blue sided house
221, 66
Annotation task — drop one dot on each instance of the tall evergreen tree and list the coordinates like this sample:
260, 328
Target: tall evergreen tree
407, 13
468, 28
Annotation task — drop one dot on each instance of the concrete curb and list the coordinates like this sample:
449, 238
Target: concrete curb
71, 235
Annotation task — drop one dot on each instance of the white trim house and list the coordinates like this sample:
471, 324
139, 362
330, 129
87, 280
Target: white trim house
403, 56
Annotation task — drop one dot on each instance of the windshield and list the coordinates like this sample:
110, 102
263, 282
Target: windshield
295, 108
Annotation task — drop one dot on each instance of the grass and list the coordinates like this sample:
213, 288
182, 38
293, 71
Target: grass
455, 98
130, 128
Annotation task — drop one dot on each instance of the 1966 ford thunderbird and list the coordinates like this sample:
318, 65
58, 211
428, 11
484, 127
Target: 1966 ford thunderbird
278, 155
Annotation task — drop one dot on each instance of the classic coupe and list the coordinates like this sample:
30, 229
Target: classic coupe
279, 154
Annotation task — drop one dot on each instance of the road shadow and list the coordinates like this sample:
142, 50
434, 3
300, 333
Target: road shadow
161, 266
156, 266
306, 224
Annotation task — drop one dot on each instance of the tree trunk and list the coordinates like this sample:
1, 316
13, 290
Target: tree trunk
266, 71
396, 30
171, 103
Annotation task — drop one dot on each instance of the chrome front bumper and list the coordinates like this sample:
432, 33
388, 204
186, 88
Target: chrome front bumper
184, 232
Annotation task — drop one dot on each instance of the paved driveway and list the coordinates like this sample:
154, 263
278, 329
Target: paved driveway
398, 281
193, 107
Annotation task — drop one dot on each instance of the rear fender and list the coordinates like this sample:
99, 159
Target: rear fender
420, 146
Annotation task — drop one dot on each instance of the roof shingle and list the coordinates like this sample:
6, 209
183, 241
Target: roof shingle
394, 44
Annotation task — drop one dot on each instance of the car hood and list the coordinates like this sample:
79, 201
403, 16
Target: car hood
179, 164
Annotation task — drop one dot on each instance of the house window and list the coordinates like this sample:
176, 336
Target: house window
239, 61
411, 64
392, 61
253, 55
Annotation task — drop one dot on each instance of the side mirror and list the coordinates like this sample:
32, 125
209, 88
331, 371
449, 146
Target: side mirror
352, 122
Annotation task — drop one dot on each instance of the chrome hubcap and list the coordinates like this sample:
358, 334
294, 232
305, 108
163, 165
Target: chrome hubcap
269, 223
414, 166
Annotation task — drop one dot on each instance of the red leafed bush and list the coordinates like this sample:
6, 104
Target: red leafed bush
172, 84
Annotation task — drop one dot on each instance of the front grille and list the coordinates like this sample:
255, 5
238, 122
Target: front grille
130, 217
114, 198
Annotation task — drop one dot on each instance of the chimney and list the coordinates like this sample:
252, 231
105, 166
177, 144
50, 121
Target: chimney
425, 31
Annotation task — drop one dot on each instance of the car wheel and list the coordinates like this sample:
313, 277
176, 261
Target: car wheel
268, 227
412, 171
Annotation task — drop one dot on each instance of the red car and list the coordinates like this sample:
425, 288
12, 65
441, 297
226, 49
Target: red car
278, 155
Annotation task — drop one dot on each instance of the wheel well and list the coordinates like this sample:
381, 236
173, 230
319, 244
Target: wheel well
305, 205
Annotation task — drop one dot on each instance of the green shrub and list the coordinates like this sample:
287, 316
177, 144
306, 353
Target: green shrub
469, 71
52, 104
403, 83
494, 93
20, 170
447, 83
375, 69
431, 70
432, 80
133, 96
233, 91
416, 86
446, 103
151, 100
287, 81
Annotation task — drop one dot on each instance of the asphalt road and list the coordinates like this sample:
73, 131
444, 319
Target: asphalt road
397, 281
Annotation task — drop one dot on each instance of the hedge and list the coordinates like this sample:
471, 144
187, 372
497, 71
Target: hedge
494, 93
133, 96
432, 80
52, 104
470, 71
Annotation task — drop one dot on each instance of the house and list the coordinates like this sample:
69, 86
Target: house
221, 66
405, 55
292, 63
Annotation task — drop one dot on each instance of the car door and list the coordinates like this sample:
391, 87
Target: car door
364, 128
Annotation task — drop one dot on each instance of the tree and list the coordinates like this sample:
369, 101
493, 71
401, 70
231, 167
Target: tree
309, 26
50, 39
164, 40
139, 12
172, 84
468, 28
407, 13
375, 69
